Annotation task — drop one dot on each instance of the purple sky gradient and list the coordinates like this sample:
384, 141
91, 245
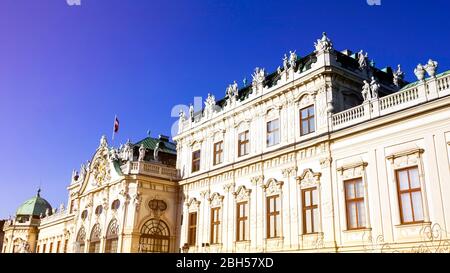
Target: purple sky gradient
65, 71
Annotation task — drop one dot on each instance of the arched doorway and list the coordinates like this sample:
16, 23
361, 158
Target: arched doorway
154, 237
80, 242
112, 237
94, 245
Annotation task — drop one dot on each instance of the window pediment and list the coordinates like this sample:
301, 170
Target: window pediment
272, 187
242, 194
405, 158
216, 200
352, 170
193, 204
309, 178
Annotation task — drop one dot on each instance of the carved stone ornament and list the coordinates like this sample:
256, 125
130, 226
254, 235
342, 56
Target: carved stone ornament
406, 158
100, 170
257, 180
273, 187
309, 179
288, 172
242, 194
216, 200
352, 170
193, 204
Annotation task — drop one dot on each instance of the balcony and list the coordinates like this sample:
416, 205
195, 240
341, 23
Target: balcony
151, 169
411, 95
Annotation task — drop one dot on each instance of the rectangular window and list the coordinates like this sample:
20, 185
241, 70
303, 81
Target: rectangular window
215, 225
192, 228
354, 201
409, 195
50, 249
196, 161
218, 152
243, 143
310, 210
273, 216
242, 221
37, 249
43, 248
273, 132
307, 123
58, 245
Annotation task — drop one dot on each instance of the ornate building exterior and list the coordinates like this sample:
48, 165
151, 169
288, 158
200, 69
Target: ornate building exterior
327, 154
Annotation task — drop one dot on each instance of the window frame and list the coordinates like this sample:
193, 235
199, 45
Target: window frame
218, 152
195, 161
355, 200
192, 228
307, 118
312, 207
273, 132
242, 219
274, 215
244, 143
215, 225
409, 191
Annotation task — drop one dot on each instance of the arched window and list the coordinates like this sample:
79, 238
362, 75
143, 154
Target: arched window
94, 245
115, 204
81, 238
154, 237
112, 237
98, 210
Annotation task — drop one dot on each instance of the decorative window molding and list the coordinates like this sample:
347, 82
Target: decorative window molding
406, 158
309, 179
402, 160
192, 204
272, 187
242, 194
216, 200
352, 170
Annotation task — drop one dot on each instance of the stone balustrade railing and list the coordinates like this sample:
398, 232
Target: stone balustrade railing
55, 216
150, 168
411, 95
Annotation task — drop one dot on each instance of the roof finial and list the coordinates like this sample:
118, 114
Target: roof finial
39, 192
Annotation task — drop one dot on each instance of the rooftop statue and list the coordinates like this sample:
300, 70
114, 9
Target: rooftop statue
285, 62
142, 153
103, 142
292, 59
366, 91
362, 60
398, 75
191, 112
258, 79
374, 87
182, 115
431, 67
419, 71
113, 155
323, 44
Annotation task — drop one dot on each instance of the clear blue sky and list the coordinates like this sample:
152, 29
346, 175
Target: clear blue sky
65, 71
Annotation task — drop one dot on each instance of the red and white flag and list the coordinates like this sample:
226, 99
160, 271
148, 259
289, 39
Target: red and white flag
116, 126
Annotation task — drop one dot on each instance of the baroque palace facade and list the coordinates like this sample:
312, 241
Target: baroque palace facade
326, 154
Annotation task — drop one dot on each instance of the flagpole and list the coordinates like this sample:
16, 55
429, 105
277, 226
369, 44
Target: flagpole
113, 130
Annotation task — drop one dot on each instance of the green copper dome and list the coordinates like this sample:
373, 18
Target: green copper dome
34, 206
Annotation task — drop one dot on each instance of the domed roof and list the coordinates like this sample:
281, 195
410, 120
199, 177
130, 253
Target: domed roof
34, 206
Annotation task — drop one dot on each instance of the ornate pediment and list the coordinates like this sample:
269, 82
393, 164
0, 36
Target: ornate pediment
309, 179
273, 187
193, 204
242, 194
216, 200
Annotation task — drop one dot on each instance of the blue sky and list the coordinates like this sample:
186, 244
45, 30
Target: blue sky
65, 71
